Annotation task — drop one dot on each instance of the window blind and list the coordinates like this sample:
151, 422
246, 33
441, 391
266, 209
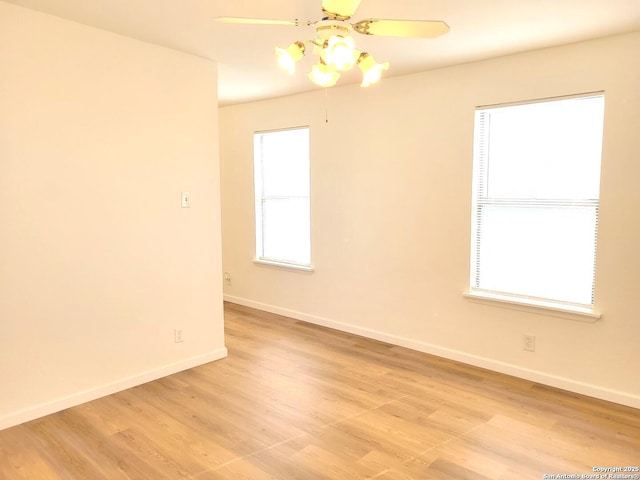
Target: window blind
536, 199
282, 195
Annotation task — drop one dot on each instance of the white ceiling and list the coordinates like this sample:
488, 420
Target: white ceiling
245, 53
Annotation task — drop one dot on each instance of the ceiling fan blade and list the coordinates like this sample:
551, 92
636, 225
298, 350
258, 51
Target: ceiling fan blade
263, 21
402, 28
340, 9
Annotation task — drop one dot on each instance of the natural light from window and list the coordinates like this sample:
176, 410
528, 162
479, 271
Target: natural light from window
281, 175
536, 200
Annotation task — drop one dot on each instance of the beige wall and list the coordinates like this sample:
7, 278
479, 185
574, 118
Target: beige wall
99, 134
391, 186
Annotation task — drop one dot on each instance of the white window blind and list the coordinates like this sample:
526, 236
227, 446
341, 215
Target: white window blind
281, 176
535, 200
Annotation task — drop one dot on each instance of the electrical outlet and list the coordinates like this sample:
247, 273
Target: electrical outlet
185, 200
529, 343
177, 335
227, 278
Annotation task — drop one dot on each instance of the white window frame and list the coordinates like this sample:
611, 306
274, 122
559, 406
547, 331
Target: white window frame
480, 198
262, 198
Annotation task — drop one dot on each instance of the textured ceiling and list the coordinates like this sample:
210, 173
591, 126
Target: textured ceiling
245, 53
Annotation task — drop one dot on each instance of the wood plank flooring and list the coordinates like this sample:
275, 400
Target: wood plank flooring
298, 401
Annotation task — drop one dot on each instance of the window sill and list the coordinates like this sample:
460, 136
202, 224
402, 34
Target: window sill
569, 313
284, 266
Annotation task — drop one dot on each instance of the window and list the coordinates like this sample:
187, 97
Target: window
281, 176
535, 201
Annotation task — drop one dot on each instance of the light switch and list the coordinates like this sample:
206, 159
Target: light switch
186, 200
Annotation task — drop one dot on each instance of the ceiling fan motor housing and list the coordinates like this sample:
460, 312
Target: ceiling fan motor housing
328, 28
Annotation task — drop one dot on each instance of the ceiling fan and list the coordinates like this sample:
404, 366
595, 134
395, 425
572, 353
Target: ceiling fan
336, 47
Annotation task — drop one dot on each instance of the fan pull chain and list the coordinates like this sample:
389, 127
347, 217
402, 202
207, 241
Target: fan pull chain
326, 105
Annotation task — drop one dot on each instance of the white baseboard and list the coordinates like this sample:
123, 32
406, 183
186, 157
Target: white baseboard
544, 378
59, 404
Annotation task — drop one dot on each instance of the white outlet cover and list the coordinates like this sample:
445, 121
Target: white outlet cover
185, 199
529, 343
178, 335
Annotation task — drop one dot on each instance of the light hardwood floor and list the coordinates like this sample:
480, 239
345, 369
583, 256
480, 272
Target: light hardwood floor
298, 401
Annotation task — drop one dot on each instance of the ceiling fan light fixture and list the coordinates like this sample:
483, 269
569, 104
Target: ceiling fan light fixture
323, 75
371, 71
334, 43
287, 57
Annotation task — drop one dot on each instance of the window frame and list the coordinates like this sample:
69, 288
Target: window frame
260, 198
559, 308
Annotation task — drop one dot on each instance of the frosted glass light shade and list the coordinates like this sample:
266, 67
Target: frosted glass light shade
287, 57
323, 75
339, 52
371, 71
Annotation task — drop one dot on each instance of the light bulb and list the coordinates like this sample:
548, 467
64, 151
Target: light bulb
288, 57
339, 51
371, 71
323, 75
